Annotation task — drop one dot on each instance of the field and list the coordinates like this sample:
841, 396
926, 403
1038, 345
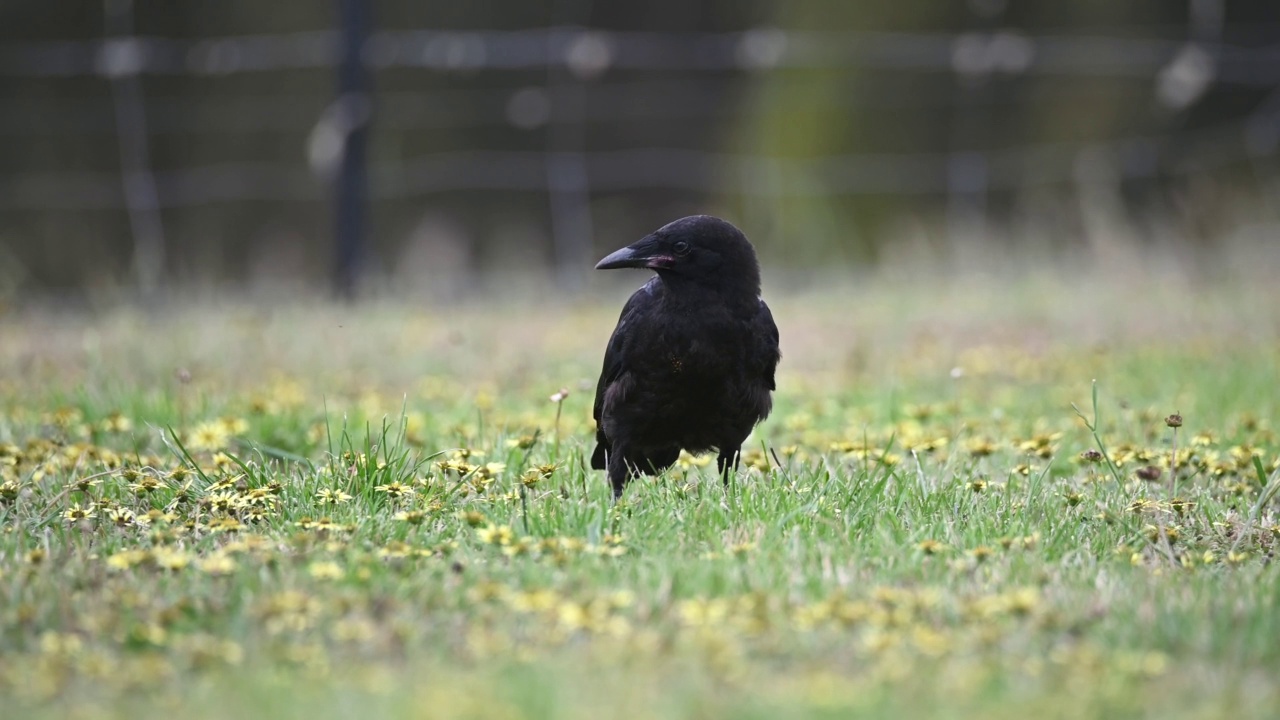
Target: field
311, 511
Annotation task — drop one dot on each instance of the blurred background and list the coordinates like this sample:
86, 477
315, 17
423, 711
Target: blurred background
360, 147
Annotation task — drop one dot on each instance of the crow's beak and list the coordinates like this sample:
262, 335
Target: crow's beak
642, 254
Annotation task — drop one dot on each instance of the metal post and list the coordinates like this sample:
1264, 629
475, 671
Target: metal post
352, 195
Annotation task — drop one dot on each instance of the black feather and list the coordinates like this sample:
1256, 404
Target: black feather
691, 362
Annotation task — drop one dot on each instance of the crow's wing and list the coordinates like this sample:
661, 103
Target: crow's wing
765, 352
614, 362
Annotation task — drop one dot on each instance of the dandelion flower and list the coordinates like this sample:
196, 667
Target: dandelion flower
413, 517
327, 496
325, 570
496, 534
210, 436
217, 564
395, 489
930, 547
75, 513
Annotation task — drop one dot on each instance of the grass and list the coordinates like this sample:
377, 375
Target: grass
309, 511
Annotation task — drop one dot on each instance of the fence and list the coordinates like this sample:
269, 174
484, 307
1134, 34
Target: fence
1177, 73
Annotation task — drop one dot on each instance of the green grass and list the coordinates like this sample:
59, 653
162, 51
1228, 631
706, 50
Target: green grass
311, 511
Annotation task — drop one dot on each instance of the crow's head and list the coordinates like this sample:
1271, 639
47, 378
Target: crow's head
699, 249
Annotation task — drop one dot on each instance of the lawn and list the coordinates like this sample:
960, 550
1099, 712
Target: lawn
296, 510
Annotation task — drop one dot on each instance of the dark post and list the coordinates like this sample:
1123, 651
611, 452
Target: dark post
354, 107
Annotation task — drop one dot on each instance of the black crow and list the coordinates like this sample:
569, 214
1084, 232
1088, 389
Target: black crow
691, 363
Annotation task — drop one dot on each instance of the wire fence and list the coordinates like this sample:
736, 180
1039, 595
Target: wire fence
1178, 73
587, 55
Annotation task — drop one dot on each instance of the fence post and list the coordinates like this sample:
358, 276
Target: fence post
352, 195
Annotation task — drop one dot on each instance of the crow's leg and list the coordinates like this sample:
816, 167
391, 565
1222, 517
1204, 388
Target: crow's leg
620, 471
627, 463
727, 461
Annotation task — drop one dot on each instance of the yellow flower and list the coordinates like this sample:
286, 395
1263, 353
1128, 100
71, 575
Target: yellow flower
702, 613
75, 513
980, 447
169, 559
116, 423
209, 436
63, 644
491, 470
127, 558
225, 524
84, 484
981, 553
930, 547
395, 489
687, 462
121, 517
1023, 601
218, 564
327, 496
523, 546
413, 517
472, 518
496, 534
524, 442
146, 485
325, 570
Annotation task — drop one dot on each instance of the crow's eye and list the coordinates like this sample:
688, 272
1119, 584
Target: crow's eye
681, 248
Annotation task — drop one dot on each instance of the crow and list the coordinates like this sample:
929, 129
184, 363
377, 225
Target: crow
691, 363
